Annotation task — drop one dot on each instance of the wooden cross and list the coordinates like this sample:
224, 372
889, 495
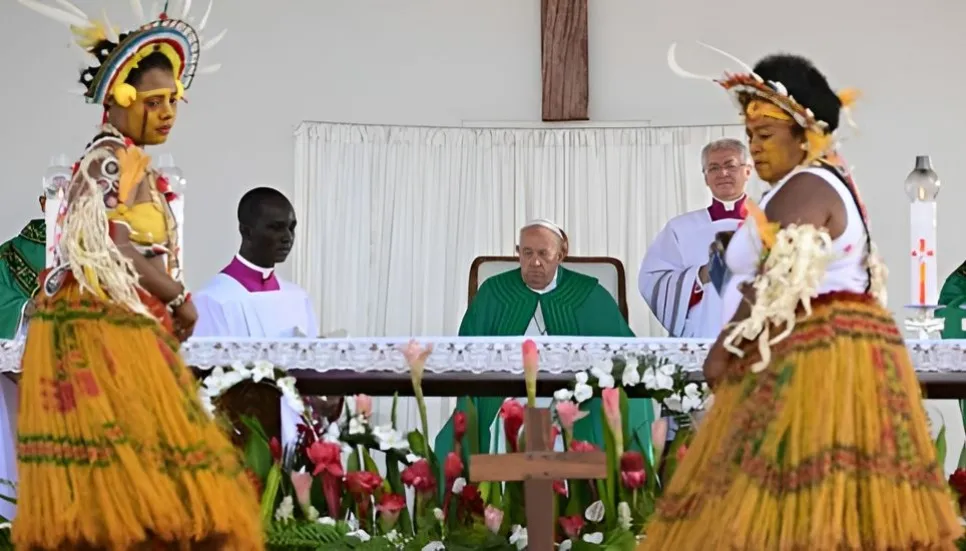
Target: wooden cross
564, 59
538, 467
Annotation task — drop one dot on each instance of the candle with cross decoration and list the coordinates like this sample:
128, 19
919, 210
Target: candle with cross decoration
922, 187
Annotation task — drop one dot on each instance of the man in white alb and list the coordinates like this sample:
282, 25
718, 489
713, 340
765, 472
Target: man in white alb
674, 277
247, 299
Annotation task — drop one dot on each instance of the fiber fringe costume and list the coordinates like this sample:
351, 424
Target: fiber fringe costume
114, 449
817, 440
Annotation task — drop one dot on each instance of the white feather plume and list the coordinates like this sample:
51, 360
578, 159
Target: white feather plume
72, 8
747, 68
214, 41
209, 69
77, 91
138, 10
204, 18
61, 16
109, 28
672, 62
185, 9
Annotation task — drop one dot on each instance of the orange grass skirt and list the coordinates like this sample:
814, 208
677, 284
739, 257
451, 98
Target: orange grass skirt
826, 449
114, 450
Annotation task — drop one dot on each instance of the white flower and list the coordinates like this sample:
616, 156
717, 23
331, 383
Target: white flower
595, 512
5, 526
412, 458
458, 485
290, 394
658, 378
596, 538
565, 545
692, 398
624, 515
435, 546
328, 521
357, 425
438, 513
394, 537
673, 402
312, 513
285, 509
518, 537
206, 402
630, 376
263, 370
582, 391
360, 535
603, 370
391, 439
563, 395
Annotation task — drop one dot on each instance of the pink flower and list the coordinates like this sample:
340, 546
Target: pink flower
416, 357
363, 483
581, 446
327, 457
569, 413
459, 426
302, 483
452, 466
512, 414
612, 412
493, 518
364, 405
572, 525
389, 508
632, 470
560, 487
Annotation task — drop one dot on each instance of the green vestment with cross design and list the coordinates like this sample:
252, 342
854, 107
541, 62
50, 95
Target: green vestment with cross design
21, 261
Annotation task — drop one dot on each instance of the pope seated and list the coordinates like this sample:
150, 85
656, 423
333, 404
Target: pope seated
541, 297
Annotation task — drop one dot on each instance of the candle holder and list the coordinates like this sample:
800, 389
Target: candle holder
922, 187
55, 182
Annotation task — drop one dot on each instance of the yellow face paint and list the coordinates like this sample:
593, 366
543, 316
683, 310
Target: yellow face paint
152, 115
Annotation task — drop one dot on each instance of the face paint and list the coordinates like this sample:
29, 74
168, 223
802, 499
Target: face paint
775, 148
152, 115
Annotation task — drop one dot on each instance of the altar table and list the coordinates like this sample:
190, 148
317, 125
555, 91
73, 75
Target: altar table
484, 366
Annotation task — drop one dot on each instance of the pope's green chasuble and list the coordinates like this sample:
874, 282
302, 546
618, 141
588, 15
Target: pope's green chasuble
579, 307
21, 260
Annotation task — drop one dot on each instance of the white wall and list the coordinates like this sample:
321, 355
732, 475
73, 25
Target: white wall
441, 62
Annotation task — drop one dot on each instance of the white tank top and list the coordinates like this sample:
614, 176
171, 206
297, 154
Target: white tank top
847, 272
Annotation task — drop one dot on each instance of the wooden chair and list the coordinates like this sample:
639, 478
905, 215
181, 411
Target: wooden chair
608, 271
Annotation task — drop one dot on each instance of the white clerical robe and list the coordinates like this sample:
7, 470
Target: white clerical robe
8, 443
669, 272
227, 309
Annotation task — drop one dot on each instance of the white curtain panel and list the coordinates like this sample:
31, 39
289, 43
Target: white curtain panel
391, 217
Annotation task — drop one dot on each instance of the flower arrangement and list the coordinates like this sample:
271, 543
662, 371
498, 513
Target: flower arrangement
328, 491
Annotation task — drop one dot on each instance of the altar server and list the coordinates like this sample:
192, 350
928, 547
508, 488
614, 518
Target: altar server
247, 299
674, 276
543, 298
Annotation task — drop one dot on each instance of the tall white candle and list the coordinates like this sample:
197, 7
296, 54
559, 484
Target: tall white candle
923, 274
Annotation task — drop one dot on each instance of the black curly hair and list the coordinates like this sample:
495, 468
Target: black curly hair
154, 60
805, 83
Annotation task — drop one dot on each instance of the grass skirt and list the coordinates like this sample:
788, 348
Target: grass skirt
826, 449
114, 449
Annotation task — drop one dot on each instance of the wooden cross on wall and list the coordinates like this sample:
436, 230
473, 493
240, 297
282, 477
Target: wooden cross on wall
538, 467
564, 59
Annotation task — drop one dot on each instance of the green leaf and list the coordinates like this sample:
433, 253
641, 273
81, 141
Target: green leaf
962, 458
258, 454
416, 441
620, 540
941, 445
608, 493
394, 478
471, 440
392, 416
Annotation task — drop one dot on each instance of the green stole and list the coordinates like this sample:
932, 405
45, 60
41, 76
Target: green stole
578, 306
953, 297
21, 261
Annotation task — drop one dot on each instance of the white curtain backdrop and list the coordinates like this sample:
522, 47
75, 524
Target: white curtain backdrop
390, 218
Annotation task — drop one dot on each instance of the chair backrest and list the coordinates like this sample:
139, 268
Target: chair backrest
608, 271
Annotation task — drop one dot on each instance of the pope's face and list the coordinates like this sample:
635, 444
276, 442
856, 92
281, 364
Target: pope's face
540, 254
149, 120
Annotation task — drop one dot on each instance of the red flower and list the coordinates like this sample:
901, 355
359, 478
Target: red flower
275, 447
327, 458
632, 470
560, 487
389, 508
572, 525
472, 500
682, 450
958, 481
453, 466
581, 446
459, 426
420, 477
512, 414
362, 482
